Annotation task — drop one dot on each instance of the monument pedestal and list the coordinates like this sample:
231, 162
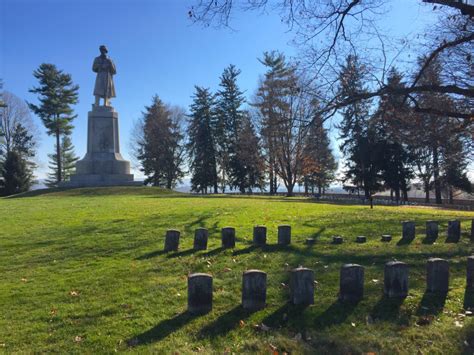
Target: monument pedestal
103, 165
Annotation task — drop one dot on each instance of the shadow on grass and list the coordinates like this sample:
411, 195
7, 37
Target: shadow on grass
282, 315
151, 255
337, 313
432, 303
182, 253
452, 240
429, 240
215, 251
405, 241
224, 323
469, 299
387, 309
268, 248
162, 330
246, 250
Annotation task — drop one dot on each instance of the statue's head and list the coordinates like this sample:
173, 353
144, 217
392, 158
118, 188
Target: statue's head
103, 49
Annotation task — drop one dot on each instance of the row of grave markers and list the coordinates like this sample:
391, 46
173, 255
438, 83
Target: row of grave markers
201, 235
351, 284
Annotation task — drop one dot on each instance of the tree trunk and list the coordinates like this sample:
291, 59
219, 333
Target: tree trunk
437, 182
271, 180
58, 156
427, 192
290, 190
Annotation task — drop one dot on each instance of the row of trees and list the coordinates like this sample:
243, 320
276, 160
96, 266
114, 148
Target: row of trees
18, 134
387, 148
231, 144
279, 137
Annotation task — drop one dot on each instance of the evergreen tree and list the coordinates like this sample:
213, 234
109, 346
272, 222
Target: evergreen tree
436, 132
16, 176
455, 165
284, 107
161, 150
201, 146
319, 164
389, 120
17, 130
67, 162
359, 139
56, 94
228, 120
247, 166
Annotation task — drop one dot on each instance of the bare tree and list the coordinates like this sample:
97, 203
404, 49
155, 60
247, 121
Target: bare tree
328, 30
15, 118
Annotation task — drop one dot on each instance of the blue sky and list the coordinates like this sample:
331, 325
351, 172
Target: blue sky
156, 48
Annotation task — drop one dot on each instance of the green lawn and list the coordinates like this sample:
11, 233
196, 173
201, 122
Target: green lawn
83, 271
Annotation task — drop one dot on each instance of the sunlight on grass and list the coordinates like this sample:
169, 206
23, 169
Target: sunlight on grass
83, 270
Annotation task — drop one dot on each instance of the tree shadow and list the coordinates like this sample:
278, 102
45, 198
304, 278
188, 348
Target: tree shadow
182, 253
337, 313
432, 303
387, 309
162, 330
469, 299
151, 255
405, 241
224, 323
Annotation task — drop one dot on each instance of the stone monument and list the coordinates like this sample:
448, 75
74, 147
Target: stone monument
103, 165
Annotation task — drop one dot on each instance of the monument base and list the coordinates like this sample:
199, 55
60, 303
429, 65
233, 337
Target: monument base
103, 165
91, 180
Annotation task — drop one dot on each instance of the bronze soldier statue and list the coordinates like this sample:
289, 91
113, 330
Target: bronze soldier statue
104, 83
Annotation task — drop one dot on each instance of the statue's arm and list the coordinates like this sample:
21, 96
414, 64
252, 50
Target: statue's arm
113, 70
95, 66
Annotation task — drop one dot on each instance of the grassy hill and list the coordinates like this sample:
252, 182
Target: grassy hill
83, 271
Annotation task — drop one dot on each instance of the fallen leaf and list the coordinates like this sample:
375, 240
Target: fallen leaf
241, 323
227, 269
78, 339
458, 324
74, 293
353, 324
24, 280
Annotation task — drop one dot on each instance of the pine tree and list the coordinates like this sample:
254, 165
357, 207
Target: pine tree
16, 176
247, 166
56, 95
319, 164
455, 164
284, 108
161, 150
67, 162
436, 132
390, 125
201, 146
359, 139
17, 130
228, 120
